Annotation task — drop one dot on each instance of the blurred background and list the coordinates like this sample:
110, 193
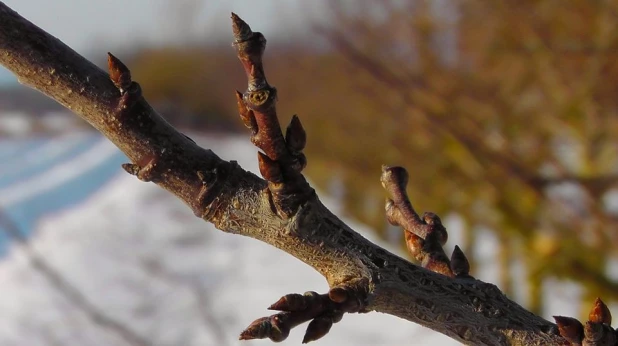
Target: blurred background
505, 114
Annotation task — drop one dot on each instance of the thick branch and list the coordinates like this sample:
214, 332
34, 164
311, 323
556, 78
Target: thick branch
239, 202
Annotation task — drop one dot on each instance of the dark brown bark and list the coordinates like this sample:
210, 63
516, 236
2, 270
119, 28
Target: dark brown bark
282, 210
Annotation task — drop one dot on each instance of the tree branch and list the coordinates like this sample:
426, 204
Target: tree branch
282, 210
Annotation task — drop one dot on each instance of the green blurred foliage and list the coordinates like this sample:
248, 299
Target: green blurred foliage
504, 112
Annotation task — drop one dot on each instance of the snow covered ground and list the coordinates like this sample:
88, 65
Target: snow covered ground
42, 175
140, 257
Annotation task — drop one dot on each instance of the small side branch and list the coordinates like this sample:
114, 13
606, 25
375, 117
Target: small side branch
281, 160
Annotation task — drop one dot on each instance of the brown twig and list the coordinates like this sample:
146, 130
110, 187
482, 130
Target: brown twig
282, 159
424, 236
281, 164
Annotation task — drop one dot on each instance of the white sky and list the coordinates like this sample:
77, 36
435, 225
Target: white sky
92, 25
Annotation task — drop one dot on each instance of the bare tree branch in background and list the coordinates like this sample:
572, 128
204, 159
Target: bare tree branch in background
282, 209
69, 291
521, 107
157, 269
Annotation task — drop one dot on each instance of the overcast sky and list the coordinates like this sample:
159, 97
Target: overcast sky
92, 25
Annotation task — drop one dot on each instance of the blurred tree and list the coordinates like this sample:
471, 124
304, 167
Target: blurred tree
191, 86
519, 100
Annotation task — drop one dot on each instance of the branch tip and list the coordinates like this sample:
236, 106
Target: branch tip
459, 263
281, 161
394, 177
258, 329
131, 168
295, 135
242, 30
118, 72
271, 327
570, 328
600, 313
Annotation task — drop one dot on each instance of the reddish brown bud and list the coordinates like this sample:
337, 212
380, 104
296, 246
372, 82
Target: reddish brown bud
242, 31
272, 327
269, 169
290, 302
118, 73
415, 245
570, 329
317, 328
459, 263
295, 136
131, 168
258, 329
246, 115
600, 313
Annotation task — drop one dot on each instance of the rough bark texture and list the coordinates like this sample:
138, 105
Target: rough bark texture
236, 201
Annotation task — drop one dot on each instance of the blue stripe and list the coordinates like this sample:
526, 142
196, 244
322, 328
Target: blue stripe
15, 148
26, 213
20, 170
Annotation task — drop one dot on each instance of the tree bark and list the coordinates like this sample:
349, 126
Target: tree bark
282, 211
